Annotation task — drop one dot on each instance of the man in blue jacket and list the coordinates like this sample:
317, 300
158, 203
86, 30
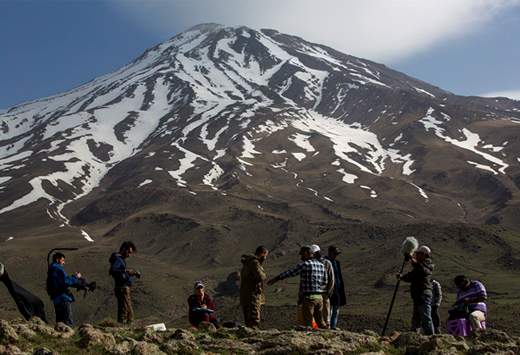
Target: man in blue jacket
58, 283
123, 278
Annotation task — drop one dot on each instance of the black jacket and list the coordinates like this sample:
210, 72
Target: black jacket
338, 297
420, 279
118, 271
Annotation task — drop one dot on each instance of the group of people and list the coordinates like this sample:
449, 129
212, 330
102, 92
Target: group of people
59, 283
321, 290
427, 295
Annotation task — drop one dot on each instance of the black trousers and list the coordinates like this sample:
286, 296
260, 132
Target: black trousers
64, 313
436, 319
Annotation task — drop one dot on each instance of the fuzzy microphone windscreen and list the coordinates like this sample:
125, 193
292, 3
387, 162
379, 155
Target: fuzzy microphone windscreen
409, 246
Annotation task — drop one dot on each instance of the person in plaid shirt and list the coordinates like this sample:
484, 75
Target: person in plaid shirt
313, 284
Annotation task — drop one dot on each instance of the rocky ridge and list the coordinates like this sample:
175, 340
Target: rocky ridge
36, 337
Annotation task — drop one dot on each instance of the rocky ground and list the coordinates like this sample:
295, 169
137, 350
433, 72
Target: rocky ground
35, 337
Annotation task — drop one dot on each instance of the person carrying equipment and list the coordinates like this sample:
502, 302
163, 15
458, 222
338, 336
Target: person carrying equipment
252, 280
123, 279
421, 289
58, 283
313, 284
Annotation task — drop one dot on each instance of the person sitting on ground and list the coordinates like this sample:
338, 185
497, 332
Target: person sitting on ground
436, 303
421, 289
316, 250
201, 307
58, 283
472, 293
313, 284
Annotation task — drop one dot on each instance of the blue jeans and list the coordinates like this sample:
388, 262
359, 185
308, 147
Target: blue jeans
334, 315
422, 314
64, 313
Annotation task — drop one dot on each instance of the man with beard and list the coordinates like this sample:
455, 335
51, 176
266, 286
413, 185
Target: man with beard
252, 280
420, 279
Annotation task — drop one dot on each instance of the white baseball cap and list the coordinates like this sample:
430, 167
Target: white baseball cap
315, 248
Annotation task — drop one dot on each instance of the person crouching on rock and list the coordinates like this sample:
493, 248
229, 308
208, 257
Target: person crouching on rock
252, 278
420, 279
313, 284
201, 307
58, 283
123, 279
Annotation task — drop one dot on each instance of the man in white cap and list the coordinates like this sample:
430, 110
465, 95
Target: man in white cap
316, 250
420, 279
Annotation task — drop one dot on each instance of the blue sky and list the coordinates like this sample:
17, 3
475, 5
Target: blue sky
469, 47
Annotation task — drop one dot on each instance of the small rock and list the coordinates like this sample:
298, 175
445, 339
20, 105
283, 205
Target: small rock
44, 351
64, 330
183, 334
180, 347
144, 348
8, 334
207, 327
10, 350
40, 327
92, 336
24, 331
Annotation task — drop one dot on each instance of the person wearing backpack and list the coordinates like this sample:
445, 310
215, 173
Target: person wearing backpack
58, 283
123, 279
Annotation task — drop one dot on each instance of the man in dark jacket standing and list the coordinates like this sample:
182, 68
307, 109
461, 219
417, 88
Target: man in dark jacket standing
338, 297
58, 283
123, 278
420, 279
252, 280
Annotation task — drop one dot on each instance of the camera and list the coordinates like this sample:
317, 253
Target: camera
83, 285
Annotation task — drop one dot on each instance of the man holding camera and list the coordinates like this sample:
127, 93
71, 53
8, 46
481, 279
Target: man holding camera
123, 278
58, 283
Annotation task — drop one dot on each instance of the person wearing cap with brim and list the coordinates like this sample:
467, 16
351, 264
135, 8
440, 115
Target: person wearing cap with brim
338, 297
201, 307
313, 283
420, 279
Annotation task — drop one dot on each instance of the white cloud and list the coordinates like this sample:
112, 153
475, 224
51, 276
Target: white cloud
511, 94
381, 30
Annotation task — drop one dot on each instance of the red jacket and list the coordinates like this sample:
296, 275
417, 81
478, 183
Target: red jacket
195, 313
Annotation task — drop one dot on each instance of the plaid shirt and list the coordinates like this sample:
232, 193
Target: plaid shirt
313, 276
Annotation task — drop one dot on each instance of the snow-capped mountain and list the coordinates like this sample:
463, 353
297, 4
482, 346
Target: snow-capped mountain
233, 115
